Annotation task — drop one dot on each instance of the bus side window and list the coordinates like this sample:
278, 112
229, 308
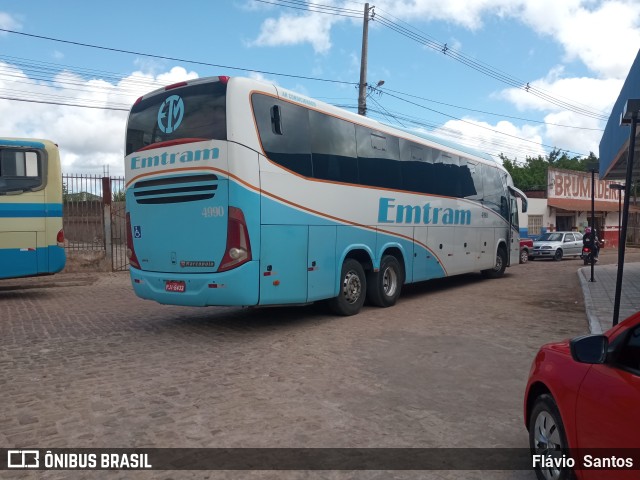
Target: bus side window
494, 191
417, 168
333, 143
276, 120
472, 183
284, 133
378, 158
515, 220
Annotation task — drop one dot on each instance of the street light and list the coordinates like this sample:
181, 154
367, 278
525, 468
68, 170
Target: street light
620, 188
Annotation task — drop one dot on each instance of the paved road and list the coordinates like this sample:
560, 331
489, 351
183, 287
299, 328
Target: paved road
85, 363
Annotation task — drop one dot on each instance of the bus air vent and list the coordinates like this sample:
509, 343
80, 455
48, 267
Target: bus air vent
185, 188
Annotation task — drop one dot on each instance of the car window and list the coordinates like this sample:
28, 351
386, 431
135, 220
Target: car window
569, 237
629, 355
555, 237
578, 236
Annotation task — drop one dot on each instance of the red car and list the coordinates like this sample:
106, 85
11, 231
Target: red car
526, 247
582, 406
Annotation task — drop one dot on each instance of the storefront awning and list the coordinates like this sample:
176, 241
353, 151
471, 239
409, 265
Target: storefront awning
572, 205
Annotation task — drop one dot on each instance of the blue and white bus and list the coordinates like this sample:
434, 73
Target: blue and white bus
244, 193
31, 235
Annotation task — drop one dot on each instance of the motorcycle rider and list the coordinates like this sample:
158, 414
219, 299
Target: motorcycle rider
590, 239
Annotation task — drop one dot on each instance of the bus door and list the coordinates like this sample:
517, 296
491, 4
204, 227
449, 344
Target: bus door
514, 223
514, 232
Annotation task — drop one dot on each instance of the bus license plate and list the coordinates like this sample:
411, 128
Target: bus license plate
175, 286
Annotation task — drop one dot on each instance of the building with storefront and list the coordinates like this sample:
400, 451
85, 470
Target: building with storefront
566, 206
614, 146
566, 203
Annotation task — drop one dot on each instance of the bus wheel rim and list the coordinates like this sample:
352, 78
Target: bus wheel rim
352, 287
389, 282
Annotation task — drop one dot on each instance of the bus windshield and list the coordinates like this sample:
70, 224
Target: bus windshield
162, 118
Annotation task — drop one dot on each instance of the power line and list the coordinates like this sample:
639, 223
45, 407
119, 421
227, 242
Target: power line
63, 104
490, 113
235, 68
315, 8
424, 39
176, 59
488, 71
475, 124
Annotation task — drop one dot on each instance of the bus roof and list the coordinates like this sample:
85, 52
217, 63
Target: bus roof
23, 142
319, 104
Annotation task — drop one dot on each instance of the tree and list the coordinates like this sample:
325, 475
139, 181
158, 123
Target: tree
532, 174
119, 196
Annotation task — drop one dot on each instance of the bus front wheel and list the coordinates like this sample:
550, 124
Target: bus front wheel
384, 286
353, 285
500, 266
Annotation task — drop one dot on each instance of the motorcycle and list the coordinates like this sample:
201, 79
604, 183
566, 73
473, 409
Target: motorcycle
587, 255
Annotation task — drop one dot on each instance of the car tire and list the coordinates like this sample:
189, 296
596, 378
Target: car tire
501, 264
558, 255
524, 256
384, 286
547, 437
353, 288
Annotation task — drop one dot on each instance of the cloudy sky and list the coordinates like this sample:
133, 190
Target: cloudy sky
517, 77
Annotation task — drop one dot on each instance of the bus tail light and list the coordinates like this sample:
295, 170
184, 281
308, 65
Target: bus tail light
60, 238
238, 250
131, 252
176, 85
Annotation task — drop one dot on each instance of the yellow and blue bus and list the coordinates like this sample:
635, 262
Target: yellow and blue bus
244, 193
31, 235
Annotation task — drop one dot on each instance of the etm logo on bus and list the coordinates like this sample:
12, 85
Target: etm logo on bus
170, 114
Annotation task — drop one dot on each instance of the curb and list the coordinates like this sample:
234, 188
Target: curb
592, 318
26, 285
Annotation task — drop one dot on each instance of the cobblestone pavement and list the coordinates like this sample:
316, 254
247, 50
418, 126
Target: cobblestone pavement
85, 363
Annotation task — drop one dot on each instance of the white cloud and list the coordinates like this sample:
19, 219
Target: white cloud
89, 138
604, 35
8, 22
310, 28
503, 137
592, 94
466, 13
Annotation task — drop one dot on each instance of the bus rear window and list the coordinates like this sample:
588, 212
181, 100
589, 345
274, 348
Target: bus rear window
20, 170
191, 112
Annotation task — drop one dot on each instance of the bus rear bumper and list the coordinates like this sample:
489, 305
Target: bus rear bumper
237, 287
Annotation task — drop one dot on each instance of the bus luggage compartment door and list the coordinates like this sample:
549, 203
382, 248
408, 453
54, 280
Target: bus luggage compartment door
18, 254
283, 264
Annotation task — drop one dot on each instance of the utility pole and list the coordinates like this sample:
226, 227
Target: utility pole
362, 90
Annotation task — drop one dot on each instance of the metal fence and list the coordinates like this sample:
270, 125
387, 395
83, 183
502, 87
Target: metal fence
94, 220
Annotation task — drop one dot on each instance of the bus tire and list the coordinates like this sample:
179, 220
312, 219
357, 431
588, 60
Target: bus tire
501, 264
353, 287
385, 285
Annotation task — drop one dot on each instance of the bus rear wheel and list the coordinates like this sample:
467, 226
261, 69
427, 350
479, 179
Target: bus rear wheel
384, 286
353, 285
